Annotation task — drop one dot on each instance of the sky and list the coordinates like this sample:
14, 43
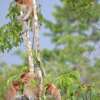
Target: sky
47, 6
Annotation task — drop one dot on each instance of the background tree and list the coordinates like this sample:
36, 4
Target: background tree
72, 32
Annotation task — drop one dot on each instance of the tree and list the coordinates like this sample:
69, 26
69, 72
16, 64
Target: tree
66, 64
21, 26
71, 35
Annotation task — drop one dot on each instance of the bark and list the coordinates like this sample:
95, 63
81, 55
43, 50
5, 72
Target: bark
35, 29
36, 40
28, 45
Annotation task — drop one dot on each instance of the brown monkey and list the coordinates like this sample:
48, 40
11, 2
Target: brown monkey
53, 91
26, 8
32, 92
26, 77
12, 91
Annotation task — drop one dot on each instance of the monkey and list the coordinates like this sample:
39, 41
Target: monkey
12, 93
35, 92
27, 76
26, 9
12, 90
32, 92
53, 91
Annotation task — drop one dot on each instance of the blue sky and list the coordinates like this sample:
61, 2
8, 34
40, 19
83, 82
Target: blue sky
47, 6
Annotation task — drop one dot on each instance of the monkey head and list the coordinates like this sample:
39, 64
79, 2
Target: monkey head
19, 1
16, 85
26, 77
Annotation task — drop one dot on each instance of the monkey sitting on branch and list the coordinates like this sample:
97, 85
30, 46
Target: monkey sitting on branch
32, 91
53, 91
13, 92
26, 9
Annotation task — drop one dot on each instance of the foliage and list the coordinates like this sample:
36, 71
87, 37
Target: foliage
70, 33
13, 29
66, 64
73, 89
9, 33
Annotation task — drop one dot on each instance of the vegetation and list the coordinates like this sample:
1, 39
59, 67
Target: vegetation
74, 34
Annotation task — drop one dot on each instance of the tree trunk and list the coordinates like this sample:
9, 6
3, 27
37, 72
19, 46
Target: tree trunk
36, 40
35, 69
28, 45
35, 29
